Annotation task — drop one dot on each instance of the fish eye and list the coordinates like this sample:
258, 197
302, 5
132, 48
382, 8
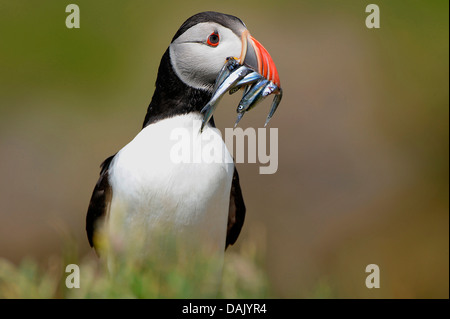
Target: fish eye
213, 39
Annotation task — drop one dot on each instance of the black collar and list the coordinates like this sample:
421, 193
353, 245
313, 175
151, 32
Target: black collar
172, 96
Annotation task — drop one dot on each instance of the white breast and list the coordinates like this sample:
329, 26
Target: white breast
164, 186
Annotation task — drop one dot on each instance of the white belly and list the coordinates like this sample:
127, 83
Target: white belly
165, 188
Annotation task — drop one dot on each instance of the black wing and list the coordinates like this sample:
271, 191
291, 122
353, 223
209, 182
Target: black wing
100, 201
236, 212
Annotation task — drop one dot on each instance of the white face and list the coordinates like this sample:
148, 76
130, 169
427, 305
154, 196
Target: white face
198, 63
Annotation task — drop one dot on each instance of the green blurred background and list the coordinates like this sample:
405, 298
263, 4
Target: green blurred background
363, 133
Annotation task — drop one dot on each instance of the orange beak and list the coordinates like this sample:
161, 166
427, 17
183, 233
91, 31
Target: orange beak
254, 55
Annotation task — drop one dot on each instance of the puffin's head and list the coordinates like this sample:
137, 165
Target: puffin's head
200, 47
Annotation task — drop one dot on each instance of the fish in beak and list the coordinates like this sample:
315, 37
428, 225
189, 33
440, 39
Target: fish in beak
254, 71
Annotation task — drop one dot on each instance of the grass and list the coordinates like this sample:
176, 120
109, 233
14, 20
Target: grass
243, 276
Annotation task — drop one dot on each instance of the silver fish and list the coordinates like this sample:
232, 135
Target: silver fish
276, 101
226, 84
251, 98
239, 117
246, 81
234, 76
269, 89
230, 65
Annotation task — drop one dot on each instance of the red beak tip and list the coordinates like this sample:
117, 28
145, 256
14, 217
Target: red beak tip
266, 66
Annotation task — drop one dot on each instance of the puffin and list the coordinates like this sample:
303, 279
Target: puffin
145, 200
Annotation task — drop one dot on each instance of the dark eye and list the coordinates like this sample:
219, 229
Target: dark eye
213, 39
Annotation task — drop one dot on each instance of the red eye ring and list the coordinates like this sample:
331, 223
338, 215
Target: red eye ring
213, 39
